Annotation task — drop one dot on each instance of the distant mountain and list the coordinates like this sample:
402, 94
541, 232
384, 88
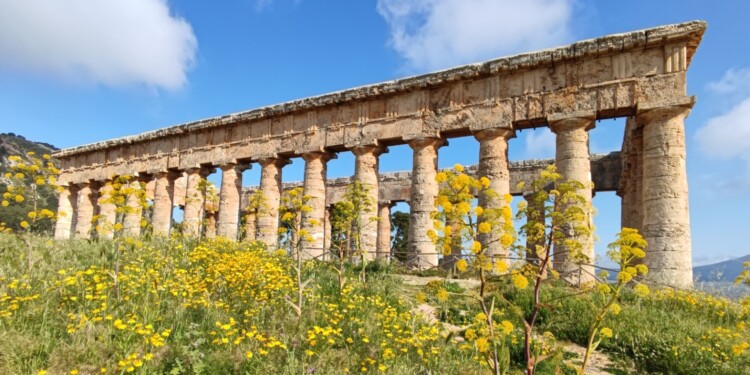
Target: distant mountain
723, 271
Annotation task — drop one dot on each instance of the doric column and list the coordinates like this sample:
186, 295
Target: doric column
84, 211
631, 176
493, 164
65, 212
229, 200
250, 227
107, 211
194, 201
161, 218
327, 229
270, 190
131, 223
209, 225
315, 187
666, 214
535, 245
424, 190
384, 230
366, 173
573, 162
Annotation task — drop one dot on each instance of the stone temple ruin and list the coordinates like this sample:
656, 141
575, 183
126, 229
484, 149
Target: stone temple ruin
639, 75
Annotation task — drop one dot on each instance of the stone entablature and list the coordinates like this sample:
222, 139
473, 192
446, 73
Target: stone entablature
640, 75
604, 77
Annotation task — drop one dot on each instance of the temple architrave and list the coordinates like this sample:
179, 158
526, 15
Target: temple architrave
639, 75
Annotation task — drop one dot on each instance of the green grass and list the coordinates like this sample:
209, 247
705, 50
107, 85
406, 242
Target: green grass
203, 293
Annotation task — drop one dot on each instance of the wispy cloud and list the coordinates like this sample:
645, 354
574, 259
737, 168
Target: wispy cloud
540, 144
727, 135
109, 42
434, 34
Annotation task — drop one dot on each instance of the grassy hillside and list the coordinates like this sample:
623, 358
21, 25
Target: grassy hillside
217, 307
12, 144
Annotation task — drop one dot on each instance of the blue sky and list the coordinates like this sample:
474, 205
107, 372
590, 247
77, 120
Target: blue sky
82, 71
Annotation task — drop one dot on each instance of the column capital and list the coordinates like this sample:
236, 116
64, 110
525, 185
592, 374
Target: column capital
559, 124
202, 171
239, 167
644, 116
369, 149
279, 161
386, 203
486, 134
427, 141
314, 155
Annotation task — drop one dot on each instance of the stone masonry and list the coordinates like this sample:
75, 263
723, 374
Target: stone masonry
639, 75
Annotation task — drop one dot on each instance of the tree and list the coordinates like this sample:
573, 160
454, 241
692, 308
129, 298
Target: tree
29, 198
293, 204
400, 243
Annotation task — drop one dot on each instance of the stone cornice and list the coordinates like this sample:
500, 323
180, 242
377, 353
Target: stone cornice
689, 32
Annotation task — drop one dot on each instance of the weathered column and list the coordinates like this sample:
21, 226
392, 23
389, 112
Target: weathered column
384, 230
630, 178
535, 244
107, 211
131, 223
161, 218
229, 200
270, 190
666, 213
327, 229
366, 173
194, 201
65, 212
424, 190
250, 227
209, 225
84, 211
573, 162
315, 187
493, 164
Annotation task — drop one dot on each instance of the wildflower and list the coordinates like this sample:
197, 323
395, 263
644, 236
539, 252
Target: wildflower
441, 177
462, 265
470, 334
520, 281
641, 290
476, 247
485, 182
615, 309
41, 372
606, 332
484, 227
19, 198
624, 276
482, 345
507, 327
4, 203
442, 295
24, 224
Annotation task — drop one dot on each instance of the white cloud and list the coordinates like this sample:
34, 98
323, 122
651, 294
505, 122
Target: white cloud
434, 34
111, 42
540, 143
727, 136
734, 81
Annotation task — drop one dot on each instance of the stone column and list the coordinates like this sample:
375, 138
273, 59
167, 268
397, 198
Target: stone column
270, 188
535, 245
630, 179
384, 230
210, 224
366, 173
65, 212
493, 164
250, 226
327, 229
161, 218
666, 214
424, 190
84, 211
573, 162
107, 211
194, 201
131, 223
315, 187
229, 200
